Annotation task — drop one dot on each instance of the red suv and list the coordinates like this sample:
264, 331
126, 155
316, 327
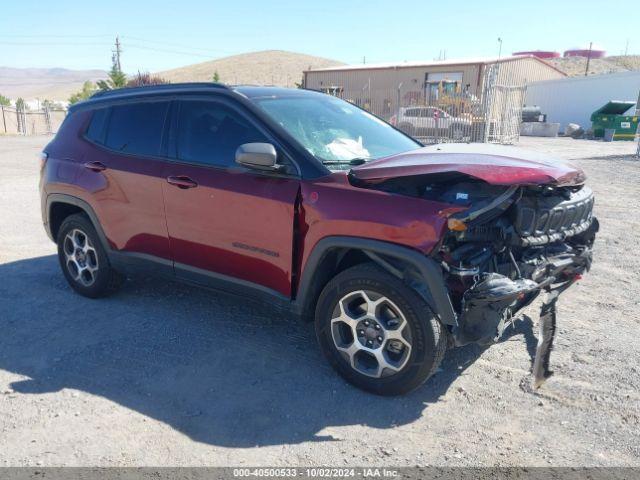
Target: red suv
301, 199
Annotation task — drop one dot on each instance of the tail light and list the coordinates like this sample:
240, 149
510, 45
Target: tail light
394, 120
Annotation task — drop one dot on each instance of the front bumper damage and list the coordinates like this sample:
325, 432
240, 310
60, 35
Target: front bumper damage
489, 306
492, 275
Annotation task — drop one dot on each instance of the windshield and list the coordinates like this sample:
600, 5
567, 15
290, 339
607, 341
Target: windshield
334, 131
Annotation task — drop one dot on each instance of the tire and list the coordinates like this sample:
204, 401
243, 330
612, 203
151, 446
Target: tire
456, 132
83, 259
399, 311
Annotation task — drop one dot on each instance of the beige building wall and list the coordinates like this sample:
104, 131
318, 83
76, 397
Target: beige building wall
526, 70
380, 90
386, 78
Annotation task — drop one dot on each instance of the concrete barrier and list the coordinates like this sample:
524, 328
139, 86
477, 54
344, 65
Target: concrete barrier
539, 129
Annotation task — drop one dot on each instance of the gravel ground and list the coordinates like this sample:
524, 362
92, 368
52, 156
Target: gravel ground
165, 374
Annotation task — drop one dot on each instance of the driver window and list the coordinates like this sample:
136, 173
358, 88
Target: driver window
209, 133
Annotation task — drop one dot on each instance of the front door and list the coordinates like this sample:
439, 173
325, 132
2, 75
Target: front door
225, 221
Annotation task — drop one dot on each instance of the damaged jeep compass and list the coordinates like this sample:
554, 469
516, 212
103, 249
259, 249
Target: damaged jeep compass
395, 250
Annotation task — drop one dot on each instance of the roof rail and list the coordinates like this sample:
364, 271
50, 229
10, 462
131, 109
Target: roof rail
154, 88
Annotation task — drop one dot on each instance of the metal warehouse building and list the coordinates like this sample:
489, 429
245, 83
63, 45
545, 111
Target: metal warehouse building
490, 90
411, 76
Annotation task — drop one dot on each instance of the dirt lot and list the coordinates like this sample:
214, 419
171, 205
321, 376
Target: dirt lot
164, 374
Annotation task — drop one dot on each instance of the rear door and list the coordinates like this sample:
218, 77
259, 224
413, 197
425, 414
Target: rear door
227, 222
124, 173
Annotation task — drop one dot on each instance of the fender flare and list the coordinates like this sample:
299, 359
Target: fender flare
430, 272
75, 201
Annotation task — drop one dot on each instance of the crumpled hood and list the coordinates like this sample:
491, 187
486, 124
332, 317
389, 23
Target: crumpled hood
496, 165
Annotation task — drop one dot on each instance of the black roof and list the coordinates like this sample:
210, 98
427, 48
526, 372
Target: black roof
149, 89
249, 91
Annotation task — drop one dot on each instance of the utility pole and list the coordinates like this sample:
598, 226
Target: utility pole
117, 53
637, 131
499, 47
586, 70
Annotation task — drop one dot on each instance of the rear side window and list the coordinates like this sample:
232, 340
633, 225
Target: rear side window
95, 132
209, 133
137, 128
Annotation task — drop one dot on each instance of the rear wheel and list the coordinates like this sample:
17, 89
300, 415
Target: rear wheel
83, 260
456, 132
377, 332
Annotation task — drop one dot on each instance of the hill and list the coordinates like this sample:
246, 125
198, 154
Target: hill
269, 67
575, 66
55, 84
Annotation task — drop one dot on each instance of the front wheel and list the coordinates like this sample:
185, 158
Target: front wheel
377, 332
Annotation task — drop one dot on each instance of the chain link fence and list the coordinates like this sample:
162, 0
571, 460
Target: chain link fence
444, 109
20, 121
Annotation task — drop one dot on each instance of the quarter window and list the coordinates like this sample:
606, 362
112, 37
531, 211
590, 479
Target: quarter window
95, 132
137, 128
209, 133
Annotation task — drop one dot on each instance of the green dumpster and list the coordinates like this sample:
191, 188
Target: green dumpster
611, 116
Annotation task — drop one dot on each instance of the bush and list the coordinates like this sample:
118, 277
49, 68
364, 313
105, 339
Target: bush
142, 79
88, 89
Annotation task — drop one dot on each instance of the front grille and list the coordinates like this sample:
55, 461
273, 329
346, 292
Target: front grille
540, 220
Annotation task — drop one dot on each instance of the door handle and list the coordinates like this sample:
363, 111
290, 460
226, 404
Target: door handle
95, 166
182, 181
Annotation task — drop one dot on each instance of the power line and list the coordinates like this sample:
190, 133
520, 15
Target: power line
39, 44
162, 50
175, 45
5, 35
174, 48
105, 44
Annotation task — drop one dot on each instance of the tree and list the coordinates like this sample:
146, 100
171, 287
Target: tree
216, 77
142, 79
88, 89
21, 104
117, 79
4, 101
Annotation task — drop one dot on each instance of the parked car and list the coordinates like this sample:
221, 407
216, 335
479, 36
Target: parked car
301, 199
420, 121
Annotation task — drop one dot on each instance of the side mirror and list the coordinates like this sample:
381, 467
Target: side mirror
261, 156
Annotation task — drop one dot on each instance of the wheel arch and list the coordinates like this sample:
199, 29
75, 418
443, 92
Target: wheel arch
61, 206
331, 255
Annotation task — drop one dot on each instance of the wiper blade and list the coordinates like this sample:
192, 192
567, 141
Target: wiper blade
353, 161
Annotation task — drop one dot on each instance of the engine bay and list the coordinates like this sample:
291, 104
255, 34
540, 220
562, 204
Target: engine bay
533, 239
507, 245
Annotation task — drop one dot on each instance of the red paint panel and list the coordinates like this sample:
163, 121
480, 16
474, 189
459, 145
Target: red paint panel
126, 196
342, 209
234, 222
492, 164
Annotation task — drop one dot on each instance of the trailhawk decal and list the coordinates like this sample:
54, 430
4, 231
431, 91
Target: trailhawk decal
252, 248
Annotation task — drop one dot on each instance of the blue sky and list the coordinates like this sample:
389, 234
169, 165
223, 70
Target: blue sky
158, 35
